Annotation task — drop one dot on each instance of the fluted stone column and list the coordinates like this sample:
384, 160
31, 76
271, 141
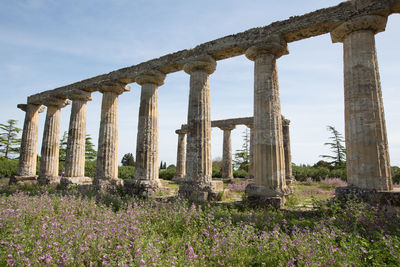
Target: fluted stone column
146, 167
28, 152
269, 162
51, 140
107, 155
251, 152
287, 151
227, 171
368, 165
198, 183
181, 155
76, 145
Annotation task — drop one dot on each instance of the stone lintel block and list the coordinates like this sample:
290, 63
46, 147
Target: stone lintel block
76, 180
371, 196
373, 23
396, 6
200, 192
203, 63
153, 77
23, 179
142, 188
274, 45
113, 86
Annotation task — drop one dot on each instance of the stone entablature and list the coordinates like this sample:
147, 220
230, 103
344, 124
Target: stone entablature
293, 29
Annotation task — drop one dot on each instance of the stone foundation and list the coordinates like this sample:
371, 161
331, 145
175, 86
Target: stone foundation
261, 196
370, 196
108, 185
49, 180
23, 180
201, 192
142, 188
76, 180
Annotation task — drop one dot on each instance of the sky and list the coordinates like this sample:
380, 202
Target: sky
45, 44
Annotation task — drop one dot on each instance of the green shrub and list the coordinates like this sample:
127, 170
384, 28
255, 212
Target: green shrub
167, 174
396, 174
90, 168
216, 173
8, 167
240, 173
126, 172
302, 172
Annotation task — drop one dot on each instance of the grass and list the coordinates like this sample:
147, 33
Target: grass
46, 226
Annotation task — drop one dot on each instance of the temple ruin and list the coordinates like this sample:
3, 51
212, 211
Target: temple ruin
352, 23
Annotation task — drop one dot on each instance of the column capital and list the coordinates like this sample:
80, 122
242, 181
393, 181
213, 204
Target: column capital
274, 45
78, 94
373, 23
153, 77
204, 62
113, 86
285, 122
55, 101
227, 127
181, 131
24, 107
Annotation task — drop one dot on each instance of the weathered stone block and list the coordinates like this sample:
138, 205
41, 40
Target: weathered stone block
23, 180
142, 188
201, 191
76, 180
371, 196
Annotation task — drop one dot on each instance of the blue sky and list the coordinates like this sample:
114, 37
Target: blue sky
45, 44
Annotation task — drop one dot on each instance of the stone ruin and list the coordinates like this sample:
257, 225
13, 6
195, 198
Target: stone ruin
353, 23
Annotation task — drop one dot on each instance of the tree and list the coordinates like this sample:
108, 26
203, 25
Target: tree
127, 160
9, 140
63, 147
90, 152
242, 156
337, 148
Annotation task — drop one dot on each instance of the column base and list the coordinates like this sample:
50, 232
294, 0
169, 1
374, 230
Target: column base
76, 180
49, 180
142, 188
261, 196
371, 196
290, 180
200, 192
109, 185
178, 179
23, 179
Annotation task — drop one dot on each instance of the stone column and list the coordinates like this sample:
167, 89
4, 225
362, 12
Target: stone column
368, 165
181, 155
251, 160
107, 155
288, 153
146, 167
76, 145
28, 152
269, 162
227, 171
198, 182
51, 140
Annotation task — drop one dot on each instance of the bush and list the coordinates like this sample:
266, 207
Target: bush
216, 173
8, 167
90, 168
126, 172
396, 174
167, 174
302, 172
240, 173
